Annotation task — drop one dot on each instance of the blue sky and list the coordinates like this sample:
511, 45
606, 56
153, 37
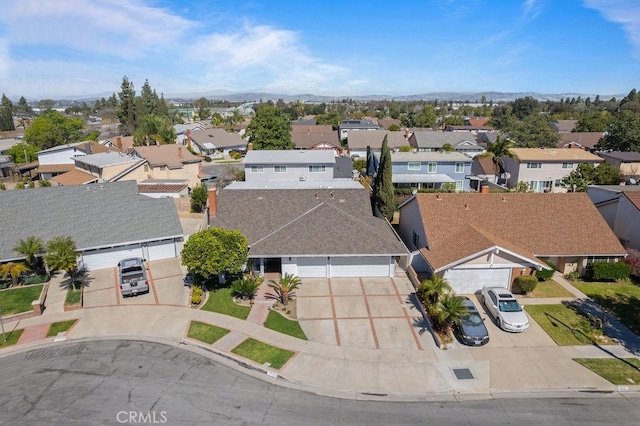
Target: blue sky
62, 48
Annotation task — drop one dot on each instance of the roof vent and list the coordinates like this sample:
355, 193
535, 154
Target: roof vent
466, 206
438, 197
504, 199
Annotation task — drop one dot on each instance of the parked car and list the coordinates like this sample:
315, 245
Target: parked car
133, 277
471, 330
505, 309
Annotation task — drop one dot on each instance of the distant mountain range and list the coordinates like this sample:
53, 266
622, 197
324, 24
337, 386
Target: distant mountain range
471, 97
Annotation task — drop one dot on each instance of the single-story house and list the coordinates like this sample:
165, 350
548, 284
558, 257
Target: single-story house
477, 239
107, 221
310, 232
316, 137
214, 141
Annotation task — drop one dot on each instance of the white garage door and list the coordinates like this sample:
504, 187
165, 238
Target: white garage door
312, 267
108, 258
468, 281
161, 250
360, 266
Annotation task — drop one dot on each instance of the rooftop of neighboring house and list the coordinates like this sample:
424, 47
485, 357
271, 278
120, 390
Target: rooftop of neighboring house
289, 157
486, 164
307, 184
54, 168
219, 138
106, 159
625, 157
374, 138
467, 127
74, 177
150, 186
634, 197
478, 121
305, 121
386, 122
358, 124
425, 156
554, 155
124, 143
563, 126
88, 147
538, 224
182, 128
170, 155
436, 139
584, 139
306, 137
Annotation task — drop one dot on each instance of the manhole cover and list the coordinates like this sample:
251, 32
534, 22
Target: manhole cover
462, 373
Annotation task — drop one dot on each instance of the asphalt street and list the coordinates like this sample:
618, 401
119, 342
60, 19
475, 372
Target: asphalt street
135, 382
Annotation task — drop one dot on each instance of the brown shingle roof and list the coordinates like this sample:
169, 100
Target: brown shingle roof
170, 155
55, 168
160, 188
306, 137
74, 177
634, 197
373, 138
533, 224
585, 139
486, 164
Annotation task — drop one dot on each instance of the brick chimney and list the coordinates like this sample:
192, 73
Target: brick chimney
119, 142
484, 188
212, 201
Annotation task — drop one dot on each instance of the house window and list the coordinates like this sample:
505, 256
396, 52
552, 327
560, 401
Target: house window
317, 169
601, 259
257, 169
459, 185
540, 185
534, 165
557, 183
280, 169
567, 165
432, 167
459, 167
413, 165
415, 240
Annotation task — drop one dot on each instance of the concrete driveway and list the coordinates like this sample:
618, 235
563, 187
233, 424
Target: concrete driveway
367, 312
165, 281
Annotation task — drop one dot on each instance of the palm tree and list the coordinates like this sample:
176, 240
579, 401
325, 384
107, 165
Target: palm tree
451, 309
31, 248
432, 289
498, 150
14, 269
285, 287
61, 255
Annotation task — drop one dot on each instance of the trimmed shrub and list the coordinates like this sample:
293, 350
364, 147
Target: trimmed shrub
245, 288
546, 274
36, 279
608, 271
572, 276
196, 295
526, 283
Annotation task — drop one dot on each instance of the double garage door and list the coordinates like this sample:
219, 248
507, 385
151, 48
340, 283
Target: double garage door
108, 258
345, 266
469, 281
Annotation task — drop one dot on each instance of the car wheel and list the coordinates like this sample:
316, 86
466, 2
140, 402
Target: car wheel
482, 300
499, 323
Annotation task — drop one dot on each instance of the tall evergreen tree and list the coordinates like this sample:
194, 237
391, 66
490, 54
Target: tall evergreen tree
127, 107
383, 193
6, 114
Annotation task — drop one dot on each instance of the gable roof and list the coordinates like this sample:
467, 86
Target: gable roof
291, 156
436, 139
95, 216
74, 177
534, 225
633, 197
374, 138
306, 137
315, 222
584, 139
554, 155
562, 126
106, 159
170, 155
625, 157
485, 165
220, 138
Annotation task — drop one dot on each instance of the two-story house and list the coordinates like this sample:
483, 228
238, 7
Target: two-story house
289, 165
170, 161
61, 159
463, 142
103, 167
543, 168
430, 169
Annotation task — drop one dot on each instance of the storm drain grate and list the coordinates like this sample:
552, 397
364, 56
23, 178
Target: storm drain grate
463, 373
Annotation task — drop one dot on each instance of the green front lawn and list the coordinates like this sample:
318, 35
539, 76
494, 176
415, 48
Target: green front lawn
617, 371
276, 321
550, 289
621, 299
73, 296
12, 338
261, 353
566, 326
18, 299
221, 301
57, 327
206, 332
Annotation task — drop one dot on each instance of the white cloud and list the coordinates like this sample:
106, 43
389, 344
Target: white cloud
623, 12
530, 10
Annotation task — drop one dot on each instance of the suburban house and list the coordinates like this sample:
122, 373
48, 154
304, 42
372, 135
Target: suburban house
60, 159
564, 126
430, 169
120, 143
474, 129
627, 162
74, 177
359, 141
477, 239
464, 142
316, 137
289, 165
347, 127
108, 222
543, 168
582, 140
168, 161
214, 142
310, 232
619, 205
182, 129
107, 166
483, 168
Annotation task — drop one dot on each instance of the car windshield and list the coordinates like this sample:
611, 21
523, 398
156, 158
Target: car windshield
472, 319
509, 306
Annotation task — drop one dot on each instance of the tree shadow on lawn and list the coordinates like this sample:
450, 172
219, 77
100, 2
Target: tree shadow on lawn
82, 279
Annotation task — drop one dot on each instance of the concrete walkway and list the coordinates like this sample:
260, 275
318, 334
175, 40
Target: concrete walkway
262, 303
56, 294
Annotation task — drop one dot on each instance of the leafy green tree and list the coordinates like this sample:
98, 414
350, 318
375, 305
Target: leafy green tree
623, 133
23, 107
524, 107
13, 269
453, 120
18, 151
31, 248
447, 147
127, 107
215, 251
533, 132
394, 128
204, 113
574, 182
499, 150
6, 114
46, 104
199, 197
154, 130
607, 174
502, 117
424, 118
285, 287
61, 255
233, 119
593, 121
383, 193
270, 129
53, 129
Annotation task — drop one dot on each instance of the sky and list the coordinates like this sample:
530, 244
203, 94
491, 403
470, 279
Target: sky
76, 48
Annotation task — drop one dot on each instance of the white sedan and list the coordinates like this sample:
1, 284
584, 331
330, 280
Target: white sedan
505, 309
